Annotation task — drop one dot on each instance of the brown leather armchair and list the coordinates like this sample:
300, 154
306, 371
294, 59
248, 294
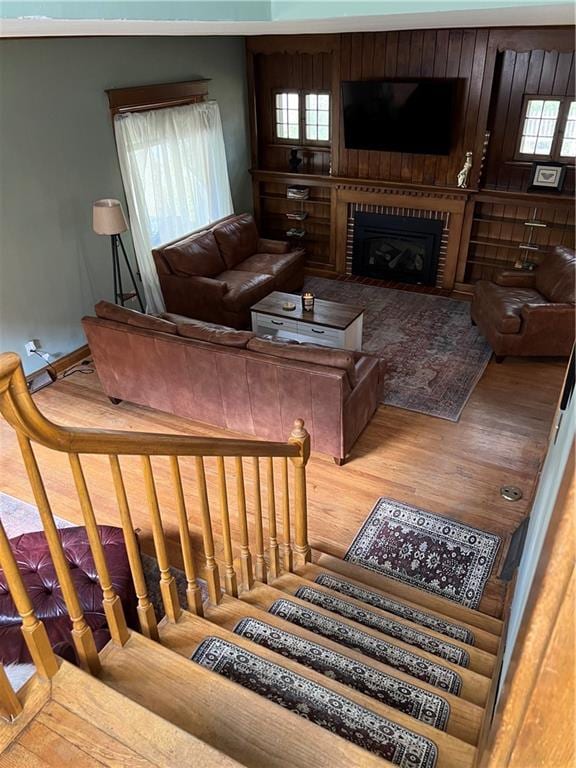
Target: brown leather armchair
217, 274
529, 313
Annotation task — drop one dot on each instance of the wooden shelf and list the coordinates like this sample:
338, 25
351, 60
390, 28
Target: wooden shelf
511, 246
312, 200
517, 222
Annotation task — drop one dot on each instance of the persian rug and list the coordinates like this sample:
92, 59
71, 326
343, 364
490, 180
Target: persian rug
416, 702
376, 648
432, 356
421, 640
402, 610
317, 704
425, 550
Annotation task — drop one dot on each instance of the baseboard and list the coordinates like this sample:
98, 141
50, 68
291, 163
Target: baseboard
62, 363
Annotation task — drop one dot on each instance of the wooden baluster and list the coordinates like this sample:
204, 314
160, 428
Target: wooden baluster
193, 593
245, 555
211, 571
167, 581
300, 437
287, 548
144, 609
230, 583
272, 533
111, 602
10, 706
81, 633
33, 630
260, 564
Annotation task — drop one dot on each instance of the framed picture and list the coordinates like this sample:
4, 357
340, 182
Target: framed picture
547, 177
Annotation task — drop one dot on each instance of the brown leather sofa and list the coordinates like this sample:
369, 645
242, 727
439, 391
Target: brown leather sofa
216, 274
233, 379
529, 313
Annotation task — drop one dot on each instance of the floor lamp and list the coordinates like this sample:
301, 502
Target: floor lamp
108, 219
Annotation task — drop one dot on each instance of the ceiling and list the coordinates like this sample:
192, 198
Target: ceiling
29, 18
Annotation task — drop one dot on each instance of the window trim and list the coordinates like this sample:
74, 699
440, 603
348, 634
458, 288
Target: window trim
302, 141
554, 153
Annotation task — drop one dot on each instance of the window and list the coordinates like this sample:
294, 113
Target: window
302, 117
548, 129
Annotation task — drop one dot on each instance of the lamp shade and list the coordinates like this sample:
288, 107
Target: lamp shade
108, 217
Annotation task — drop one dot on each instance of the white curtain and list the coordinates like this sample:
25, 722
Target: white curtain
173, 165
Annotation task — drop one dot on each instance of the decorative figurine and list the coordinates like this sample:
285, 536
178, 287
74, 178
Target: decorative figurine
308, 301
463, 175
294, 162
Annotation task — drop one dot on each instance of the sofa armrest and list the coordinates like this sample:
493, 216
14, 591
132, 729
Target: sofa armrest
515, 278
190, 296
272, 246
548, 314
361, 403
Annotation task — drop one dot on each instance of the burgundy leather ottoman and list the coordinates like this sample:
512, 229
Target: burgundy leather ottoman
35, 564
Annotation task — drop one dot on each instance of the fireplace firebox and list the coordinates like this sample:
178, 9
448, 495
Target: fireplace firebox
400, 248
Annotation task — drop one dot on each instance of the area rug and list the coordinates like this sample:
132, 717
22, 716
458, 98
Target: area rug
425, 550
401, 610
376, 648
432, 356
317, 704
429, 643
416, 702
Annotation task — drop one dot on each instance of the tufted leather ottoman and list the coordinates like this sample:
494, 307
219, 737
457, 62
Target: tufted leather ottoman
35, 564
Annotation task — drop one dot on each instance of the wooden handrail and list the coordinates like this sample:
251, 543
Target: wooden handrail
10, 705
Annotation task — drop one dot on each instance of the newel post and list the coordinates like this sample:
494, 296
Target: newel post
301, 438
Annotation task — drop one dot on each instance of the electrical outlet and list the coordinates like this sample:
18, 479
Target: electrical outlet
30, 347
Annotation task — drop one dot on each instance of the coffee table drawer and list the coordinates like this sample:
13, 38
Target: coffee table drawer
274, 323
321, 335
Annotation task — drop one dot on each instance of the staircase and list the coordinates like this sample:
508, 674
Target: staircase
295, 658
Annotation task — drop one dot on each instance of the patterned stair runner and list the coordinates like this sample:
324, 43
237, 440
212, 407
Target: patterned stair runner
376, 648
317, 704
425, 642
407, 698
401, 610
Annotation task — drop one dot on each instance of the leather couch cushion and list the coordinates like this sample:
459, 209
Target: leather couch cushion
109, 311
245, 288
308, 353
555, 277
196, 255
37, 571
216, 334
270, 263
237, 239
503, 304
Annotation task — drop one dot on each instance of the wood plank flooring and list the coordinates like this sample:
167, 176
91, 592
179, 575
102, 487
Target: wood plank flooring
454, 469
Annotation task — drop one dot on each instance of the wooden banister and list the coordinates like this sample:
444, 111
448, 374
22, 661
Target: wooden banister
274, 553
230, 580
10, 706
193, 593
260, 566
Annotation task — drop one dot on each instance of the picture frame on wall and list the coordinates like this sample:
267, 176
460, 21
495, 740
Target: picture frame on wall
547, 177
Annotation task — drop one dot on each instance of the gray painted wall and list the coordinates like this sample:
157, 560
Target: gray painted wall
57, 155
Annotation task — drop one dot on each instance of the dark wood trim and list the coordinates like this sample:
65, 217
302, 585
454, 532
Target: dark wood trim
159, 96
252, 106
63, 363
526, 39
271, 44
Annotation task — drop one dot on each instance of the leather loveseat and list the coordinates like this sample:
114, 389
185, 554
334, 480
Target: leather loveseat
529, 312
216, 274
233, 379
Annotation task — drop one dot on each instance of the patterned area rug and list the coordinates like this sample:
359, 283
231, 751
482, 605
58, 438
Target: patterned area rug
404, 611
320, 705
376, 648
427, 551
421, 640
407, 698
432, 355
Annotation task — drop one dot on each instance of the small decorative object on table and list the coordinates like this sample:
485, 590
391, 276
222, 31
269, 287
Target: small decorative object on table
294, 162
288, 306
308, 301
547, 176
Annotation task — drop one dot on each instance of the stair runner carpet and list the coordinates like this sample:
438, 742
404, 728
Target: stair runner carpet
425, 550
317, 704
425, 642
427, 707
403, 611
376, 648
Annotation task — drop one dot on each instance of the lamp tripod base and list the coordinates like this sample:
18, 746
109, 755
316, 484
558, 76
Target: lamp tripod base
120, 297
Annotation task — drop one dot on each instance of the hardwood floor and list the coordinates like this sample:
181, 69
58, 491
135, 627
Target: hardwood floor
454, 469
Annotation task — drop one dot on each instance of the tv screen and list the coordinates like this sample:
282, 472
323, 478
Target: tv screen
399, 115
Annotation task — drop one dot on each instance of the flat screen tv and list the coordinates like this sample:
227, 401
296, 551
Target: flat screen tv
400, 115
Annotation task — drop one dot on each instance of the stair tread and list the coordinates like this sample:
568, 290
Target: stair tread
465, 717
475, 686
392, 588
478, 660
222, 713
185, 636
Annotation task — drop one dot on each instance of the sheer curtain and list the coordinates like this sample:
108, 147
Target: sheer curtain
173, 165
